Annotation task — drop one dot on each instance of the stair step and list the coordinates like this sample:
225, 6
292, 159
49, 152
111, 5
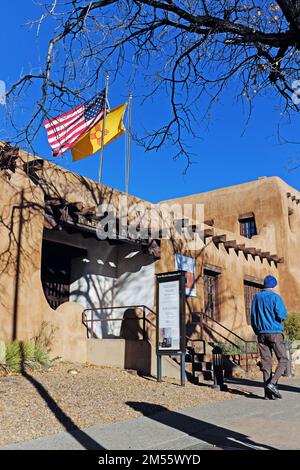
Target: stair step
202, 366
199, 379
204, 374
203, 357
188, 358
199, 357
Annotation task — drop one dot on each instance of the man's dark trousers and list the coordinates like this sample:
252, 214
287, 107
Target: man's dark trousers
269, 342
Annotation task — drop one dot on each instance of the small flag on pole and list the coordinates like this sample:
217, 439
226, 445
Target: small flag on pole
91, 142
65, 130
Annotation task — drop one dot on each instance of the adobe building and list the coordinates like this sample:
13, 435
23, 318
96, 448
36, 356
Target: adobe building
54, 268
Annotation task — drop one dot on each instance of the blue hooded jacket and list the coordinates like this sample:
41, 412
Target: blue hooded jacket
267, 312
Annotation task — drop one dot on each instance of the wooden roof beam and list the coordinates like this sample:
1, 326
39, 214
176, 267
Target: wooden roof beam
250, 251
208, 232
265, 254
240, 247
219, 239
230, 244
276, 259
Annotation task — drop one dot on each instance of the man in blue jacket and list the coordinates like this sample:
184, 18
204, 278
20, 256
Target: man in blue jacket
267, 315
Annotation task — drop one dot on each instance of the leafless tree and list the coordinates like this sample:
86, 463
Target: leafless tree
189, 50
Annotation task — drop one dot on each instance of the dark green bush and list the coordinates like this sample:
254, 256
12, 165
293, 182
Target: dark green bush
230, 349
292, 326
20, 355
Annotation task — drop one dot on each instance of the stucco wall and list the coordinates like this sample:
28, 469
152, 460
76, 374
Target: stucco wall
111, 276
93, 281
278, 233
128, 278
136, 355
22, 300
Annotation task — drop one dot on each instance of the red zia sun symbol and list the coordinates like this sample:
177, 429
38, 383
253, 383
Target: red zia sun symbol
96, 134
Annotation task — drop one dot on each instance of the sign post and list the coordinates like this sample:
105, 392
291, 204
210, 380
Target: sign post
170, 331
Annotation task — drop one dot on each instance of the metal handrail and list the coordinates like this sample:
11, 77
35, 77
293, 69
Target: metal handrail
123, 307
85, 320
204, 316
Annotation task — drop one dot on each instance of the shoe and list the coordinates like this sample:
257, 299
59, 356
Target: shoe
269, 396
273, 390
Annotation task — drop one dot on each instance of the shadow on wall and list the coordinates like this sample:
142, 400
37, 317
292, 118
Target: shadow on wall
103, 288
102, 298
131, 328
21, 223
213, 332
137, 346
22, 220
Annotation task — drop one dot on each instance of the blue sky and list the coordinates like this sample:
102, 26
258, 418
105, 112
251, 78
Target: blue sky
227, 153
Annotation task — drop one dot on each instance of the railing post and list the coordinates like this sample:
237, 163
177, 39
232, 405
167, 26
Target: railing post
159, 368
182, 369
92, 324
217, 359
144, 324
201, 325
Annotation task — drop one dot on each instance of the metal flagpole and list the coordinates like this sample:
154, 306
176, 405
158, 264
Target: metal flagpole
128, 141
103, 130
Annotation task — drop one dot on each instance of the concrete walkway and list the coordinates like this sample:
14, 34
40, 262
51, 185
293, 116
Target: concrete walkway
246, 422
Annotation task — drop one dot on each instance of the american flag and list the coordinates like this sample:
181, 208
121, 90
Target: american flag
65, 130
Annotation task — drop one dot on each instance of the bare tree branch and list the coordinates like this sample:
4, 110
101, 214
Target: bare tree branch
188, 49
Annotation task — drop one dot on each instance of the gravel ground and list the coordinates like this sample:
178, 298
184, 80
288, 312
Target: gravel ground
43, 403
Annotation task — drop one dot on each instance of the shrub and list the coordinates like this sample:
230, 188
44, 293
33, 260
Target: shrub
45, 335
292, 326
230, 350
41, 355
12, 356
2, 352
20, 355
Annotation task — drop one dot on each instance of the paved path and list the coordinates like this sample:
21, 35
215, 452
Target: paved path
247, 422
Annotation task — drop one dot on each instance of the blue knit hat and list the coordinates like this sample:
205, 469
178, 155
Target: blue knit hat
269, 282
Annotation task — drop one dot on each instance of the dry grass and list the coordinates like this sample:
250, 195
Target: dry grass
47, 402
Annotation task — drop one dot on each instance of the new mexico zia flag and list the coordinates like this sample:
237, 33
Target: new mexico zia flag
92, 140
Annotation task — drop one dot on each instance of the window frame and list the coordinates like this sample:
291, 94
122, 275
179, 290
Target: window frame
256, 285
248, 228
210, 272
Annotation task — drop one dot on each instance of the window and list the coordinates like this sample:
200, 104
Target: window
250, 289
211, 293
56, 271
248, 226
